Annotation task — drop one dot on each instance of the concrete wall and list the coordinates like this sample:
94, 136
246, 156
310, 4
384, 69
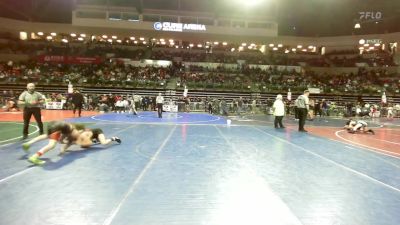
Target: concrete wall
13, 57
339, 70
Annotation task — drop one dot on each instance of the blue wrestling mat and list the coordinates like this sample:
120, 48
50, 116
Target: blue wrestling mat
152, 117
192, 169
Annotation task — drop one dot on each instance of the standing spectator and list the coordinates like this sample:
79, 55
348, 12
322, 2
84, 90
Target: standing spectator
31, 100
136, 100
119, 106
160, 102
317, 108
302, 107
153, 103
224, 107
296, 111
325, 107
253, 106
144, 103
209, 106
287, 102
187, 104
390, 114
349, 109
77, 101
310, 112
132, 107
279, 111
239, 105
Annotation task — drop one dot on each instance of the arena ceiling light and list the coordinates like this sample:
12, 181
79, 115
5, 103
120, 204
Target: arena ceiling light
104, 36
191, 45
73, 35
132, 38
287, 51
357, 26
114, 37
377, 44
244, 44
135, 42
171, 40
176, 46
310, 47
304, 50
299, 46
144, 42
199, 45
40, 33
271, 45
64, 40
232, 49
162, 40
216, 42
23, 35
83, 35
53, 34
224, 43
49, 37
293, 49
361, 41
275, 49
280, 45
119, 41
80, 39
109, 40
142, 39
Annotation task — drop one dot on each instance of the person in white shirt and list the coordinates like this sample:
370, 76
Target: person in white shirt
390, 113
136, 100
119, 106
132, 108
279, 111
160, 102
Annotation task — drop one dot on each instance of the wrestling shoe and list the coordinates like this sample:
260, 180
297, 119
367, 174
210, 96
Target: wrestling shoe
35, 160
117, 139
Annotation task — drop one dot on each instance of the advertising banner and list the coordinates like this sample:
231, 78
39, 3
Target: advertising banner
54, 105
68, 59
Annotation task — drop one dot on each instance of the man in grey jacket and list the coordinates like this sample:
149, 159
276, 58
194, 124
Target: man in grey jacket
302, 104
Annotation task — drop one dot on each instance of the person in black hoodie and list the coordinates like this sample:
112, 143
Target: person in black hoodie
77, 101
